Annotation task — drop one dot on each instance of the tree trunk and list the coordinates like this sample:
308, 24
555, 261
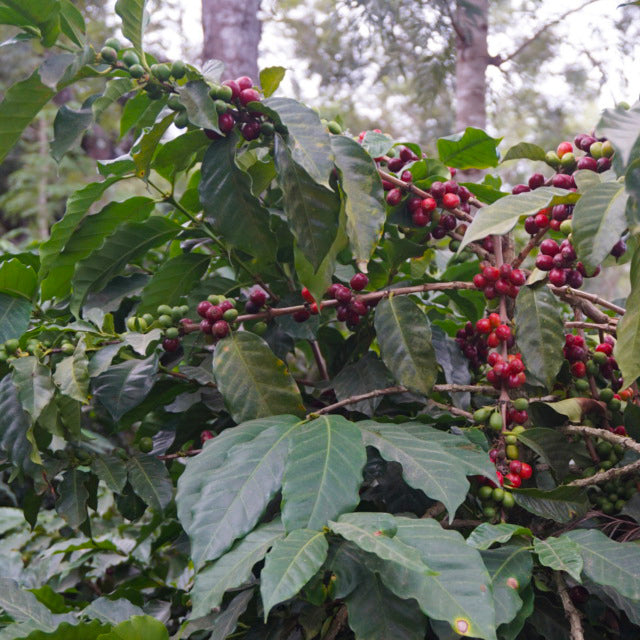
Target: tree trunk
232, 34
471, 23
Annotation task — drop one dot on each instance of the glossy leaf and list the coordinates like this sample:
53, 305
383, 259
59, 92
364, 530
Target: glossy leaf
363, 190
540, 332
553, 448
233, 568
486, 534
307, 139
199, 106
34, 384
72, 23
114, 90
73, 496
454, 365
21, 104
238, 491
598, 222
224, 191
501, 216
129, 242
132, 13
290, 565
24, 607
68, 127
146, 147
138, 628
253, 382
377, 144
150, 480
178, 154
66, 631
561, 504
311, 209
622, 128
627, 349
111, 470
404, 336
140, 112
559, 554
270, 79
17, 279
323, 473
72, 374
15, 424
471, 149
14, 316
125, 385
112, 611
525, 150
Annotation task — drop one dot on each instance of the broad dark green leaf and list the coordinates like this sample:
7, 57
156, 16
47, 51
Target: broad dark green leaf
362, 187
307, 138
510, 569
377, 144
290, 565
501, 216
627, 349
484, 193
128, 243
140, 112
72, 497
138, 627
560, 554
426, 465
225, 193
561, 504
471, 149
14, 425
311, 209
112, 611
553, 447
113, 91
111, 470
14, 316
237, 491
404, 336
173, 280
253, 382
54, 68
178, 154
134, 19
72, 23
233, 568
17, 279
454, 365
150, 480
323, 473
72, 374
24, 607
125, 385
34, 384
21, 104
200, 108
147, 145
486, 534
270, 79
598, 222
70, 631
68, 127
540, 332
622, 128
607, 562
526, 150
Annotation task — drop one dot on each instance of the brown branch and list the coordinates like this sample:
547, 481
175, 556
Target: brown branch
588, 308
591, 297
337, 623
571, 613
533, 242
453, 410
605, 476
590, 325
353, 399
320, 361
179, 454
472, 388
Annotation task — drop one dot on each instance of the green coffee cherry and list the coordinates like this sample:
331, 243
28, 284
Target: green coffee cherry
267, 129
334, 127
581, 384
3, 355
552, 159
221, 106
517, 430
498, 494
230, 315
108, 54
511, 439
508, 501
606, 395
174, 104
485, 492
165, 320
607, 149
184, 309
67, 348
113, 43
489, 512
11, 346
566, 227
225, 93
148, 318
178, 69
181, 120
145, 444
520, 404
161, 71
568, 161
215, 299
480, 415
259, 328
136, 71
164, 310
130, 58
614, 404
172, 333
596, 150
512, 451
214, 92
495, 421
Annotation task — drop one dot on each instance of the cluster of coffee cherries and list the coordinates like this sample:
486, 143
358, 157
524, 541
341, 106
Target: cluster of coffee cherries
351, 308
217, 313
560, 261
473, 345
166, 318
509, 372
613, 495
503, 281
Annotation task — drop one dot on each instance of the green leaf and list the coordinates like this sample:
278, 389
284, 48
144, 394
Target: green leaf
471, 149
501, 216
14, 426
598, 222
72, 497
134, 21
323, 473
147, 145
140, 112
510, 569
610, 563
74, 631
375, 613
24, 607
21, 104
461, 592
114, 90
560, 554
311, 209
585, 179
224, 191
180, 153
561, 504
125, 385
404, 336
553, 448
200, 108
173, 280
112, 611
556, 413
111, 470
238, 491
307, 139
72, 374
540, 332
525, 150
290, 565
426, 465
364, 196
131, 241
622, 128
483, 192
150, 480
270, 79
14, 316
35, 387
138, 627
253, 382
375, 533
485, 534
454, 365
17, 279
72, 23
627, 349
377, 144
68, 127
232, 569
89, 234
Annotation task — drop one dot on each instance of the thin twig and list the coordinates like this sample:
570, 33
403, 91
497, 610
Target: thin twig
571, 613
179, 454
359, 398
591, 326
320, 361
591, 297
337, 623
453, 410
533, 242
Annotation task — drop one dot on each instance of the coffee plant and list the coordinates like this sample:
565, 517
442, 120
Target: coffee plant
304, 384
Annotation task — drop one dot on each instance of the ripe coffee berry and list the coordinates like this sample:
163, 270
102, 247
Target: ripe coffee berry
541, 220
517, 277
203, 307
530, 226
515, 466
249, 95
394, 197
170, 344
359, 282
220, 329
306, 294
494, 319
226, 122
206, 435
536, 181
450, 200
564, 147
513, 479
579, 369
420, 219
483, 325
544, 262
428, 204
557, 277
406, 176
503, 332
492, 274
549, 247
